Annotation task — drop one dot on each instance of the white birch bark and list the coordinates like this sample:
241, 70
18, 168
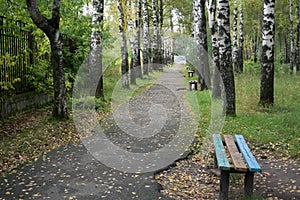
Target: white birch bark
235, 40
201, 42
291, 38
267, 56
216, 80
95, 55
226, 68
241, 42
138, 27
132, 40
146, 38
124, 49
297, 50
155, 45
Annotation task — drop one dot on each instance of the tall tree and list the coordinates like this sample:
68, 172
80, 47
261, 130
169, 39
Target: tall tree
146, 38
155, 43
95, 59
138, 27
200, 35
161, 47
291, 38
241, 42
267, 55
133, 40
123, 39
226, 68
173, 39
297, 50
216, 87
51, 28
235, 53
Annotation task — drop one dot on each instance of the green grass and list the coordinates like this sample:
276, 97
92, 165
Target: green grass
112, 86
275, 128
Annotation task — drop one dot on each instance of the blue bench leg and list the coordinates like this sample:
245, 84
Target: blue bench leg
248, 184
224, 185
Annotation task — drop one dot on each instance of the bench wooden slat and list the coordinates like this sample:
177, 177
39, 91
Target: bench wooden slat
237, 158
222, 160
247, 154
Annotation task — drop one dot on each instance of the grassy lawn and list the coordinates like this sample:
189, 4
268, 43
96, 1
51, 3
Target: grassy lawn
275, 128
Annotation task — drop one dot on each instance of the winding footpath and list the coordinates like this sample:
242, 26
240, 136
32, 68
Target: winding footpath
75, 171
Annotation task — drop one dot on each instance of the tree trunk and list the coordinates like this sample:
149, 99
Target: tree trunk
267, 66
297, 53
172, 40
51, 28
124, 49
241, 45
286, 50
226, 68
235, 53
291, 38
255, 44
155, 47
60, 109
200, 35
146, 38
138, 26
132, 41
95, 59
160, 38
216, 82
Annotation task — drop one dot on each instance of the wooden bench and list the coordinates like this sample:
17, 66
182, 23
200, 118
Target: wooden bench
232, 155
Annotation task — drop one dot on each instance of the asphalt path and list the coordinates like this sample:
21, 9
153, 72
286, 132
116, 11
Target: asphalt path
76, 171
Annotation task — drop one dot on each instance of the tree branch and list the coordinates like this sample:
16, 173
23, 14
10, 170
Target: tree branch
36, 16
55, 14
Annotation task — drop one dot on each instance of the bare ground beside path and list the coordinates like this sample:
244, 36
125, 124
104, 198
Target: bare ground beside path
194, 178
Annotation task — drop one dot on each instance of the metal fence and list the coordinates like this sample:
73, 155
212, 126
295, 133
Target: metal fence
16, 54
18, 50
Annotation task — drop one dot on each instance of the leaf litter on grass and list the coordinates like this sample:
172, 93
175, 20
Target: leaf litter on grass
30, 135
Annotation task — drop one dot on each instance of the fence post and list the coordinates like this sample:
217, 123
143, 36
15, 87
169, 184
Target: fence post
31, 46
1, 21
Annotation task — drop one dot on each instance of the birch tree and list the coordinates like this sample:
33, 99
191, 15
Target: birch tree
95, 59
200, 35
212, 8
133, 40
291, 38
241, 42
226, 68
173, 39
146, 38
235, 39
161, 47
267, 55
297, 50
123, 39
51, 28
155, 42
138, 26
